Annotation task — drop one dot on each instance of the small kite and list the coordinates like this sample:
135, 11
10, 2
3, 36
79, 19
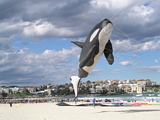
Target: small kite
97, 43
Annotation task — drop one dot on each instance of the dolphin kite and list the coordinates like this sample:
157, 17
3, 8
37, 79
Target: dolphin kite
97, 43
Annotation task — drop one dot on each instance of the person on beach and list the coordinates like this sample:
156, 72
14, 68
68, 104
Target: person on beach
10, 104
94, 102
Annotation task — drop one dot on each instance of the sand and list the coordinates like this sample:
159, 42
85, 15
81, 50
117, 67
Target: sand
50, 111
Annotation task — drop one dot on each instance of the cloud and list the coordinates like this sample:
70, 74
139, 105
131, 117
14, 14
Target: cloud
12, 27
133, 46
53, 14
137, 13
4, 43
77, 17
154, 69
42, 29
111, 4
126, 63
136, 29
50, 66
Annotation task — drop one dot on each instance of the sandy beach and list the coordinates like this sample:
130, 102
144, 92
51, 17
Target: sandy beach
50, 111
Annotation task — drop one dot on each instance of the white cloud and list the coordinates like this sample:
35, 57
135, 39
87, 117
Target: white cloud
63, 54
12, 26
76, 18
137, 19
137, 13
126, 63
43, 28
111, 4
4, 42
37, 29
155, 69
50, 66
132, 46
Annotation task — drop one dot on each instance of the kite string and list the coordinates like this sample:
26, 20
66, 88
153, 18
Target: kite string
121, 33
114, 18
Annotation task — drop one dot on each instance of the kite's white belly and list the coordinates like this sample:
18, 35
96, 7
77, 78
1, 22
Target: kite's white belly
103, 38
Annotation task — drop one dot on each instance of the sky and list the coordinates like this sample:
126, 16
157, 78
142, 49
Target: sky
36, 35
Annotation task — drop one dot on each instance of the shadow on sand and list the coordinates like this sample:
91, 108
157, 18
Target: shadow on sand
122, 111
133, 111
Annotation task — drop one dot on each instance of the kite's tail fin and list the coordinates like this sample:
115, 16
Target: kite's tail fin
75, 82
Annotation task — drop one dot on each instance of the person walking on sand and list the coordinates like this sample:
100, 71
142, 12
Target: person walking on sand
94, 102
10, 104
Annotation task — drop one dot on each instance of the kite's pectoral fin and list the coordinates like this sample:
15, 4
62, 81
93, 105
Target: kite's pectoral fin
75, 82
79, 44
108, 52
110, 59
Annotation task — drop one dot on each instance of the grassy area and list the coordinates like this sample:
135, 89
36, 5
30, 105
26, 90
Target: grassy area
21, 95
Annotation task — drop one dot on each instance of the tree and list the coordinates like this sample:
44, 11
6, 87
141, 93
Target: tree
88, 82
4, 95
156, 90
104, 91
10, 91
83, 90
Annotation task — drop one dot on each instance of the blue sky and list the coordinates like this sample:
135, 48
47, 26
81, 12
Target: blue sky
35, 37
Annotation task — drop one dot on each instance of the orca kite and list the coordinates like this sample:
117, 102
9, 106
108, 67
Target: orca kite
97, 43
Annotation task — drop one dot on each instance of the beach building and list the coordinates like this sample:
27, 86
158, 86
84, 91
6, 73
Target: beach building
4, 89
70, 88
133, 88
139, 89
92, 90
0, 89
31, 89
99, 89
113, 89
146, 82
127, 88
14, 89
